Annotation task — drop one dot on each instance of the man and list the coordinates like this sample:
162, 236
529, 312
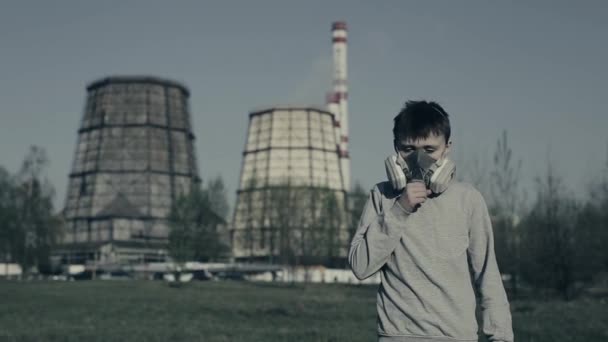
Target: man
433, 250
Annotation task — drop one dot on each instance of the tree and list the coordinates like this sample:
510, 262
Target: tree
590, 239
193, 226
36, 229
251, 213
598, 200
217, 198
592, 229
504, 207
289, 223
292, 224
548, 239
326, 219
333, 219
281, 216
475, 171
8, 214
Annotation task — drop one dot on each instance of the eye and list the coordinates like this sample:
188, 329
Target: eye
429, 150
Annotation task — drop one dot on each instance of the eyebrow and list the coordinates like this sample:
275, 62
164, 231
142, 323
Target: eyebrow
412, 146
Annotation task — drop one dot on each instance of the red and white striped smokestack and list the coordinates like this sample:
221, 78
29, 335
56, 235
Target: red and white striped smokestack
340, 89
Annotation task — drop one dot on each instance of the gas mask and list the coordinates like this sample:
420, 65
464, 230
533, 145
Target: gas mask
420, 166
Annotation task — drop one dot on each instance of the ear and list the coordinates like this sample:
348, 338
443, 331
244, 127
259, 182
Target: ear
448, 148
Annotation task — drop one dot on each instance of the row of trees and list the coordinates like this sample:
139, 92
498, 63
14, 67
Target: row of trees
300, 224
557, 241
196, 221
29, 228
292, 224
279, 223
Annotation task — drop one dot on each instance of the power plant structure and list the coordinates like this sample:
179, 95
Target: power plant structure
291, 203
135, 154
338, 99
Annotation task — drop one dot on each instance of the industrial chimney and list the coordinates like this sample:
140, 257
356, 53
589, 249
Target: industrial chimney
340, 95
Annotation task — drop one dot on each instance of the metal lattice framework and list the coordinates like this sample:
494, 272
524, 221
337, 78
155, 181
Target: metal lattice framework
135, 154
296, 146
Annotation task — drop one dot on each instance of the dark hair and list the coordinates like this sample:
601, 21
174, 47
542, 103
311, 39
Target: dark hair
418, 119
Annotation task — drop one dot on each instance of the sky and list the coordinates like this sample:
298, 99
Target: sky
536, 69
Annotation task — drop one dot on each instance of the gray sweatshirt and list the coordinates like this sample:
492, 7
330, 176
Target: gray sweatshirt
431, 262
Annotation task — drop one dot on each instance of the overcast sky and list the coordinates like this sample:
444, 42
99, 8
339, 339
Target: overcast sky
535, 68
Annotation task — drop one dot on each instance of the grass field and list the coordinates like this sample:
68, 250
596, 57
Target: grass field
242, 311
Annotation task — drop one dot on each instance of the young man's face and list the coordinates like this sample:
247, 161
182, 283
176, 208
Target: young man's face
434, 145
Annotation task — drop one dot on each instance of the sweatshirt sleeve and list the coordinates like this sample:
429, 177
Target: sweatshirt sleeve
495, 307
377, 235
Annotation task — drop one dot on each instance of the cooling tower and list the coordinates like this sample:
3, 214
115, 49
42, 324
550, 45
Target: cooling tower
293, 146
134, 156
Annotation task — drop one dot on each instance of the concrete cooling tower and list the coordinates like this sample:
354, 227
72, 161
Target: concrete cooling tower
134, 155
295, 146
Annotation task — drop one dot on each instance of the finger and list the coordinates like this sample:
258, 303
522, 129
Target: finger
424, 196
428, 192
416, 185
419, 188
419, 200
422, 192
